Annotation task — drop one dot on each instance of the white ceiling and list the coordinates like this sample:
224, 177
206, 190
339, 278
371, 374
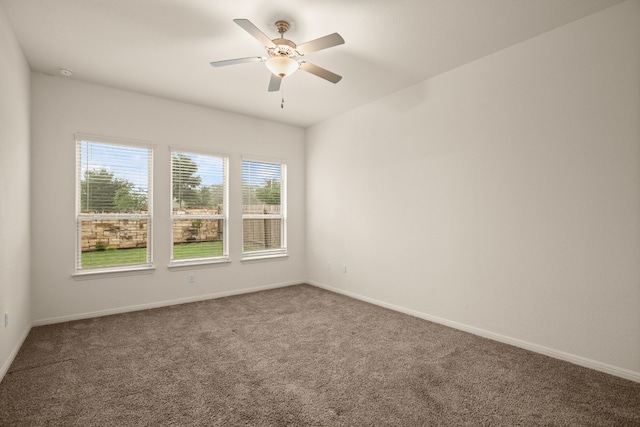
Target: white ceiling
163, 47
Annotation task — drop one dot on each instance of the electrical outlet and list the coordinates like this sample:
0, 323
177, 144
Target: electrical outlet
192, 278
344, 268
328, 265
6, 320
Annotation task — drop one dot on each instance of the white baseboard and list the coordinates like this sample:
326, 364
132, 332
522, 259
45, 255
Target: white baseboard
16, 348
119, 310
557, 354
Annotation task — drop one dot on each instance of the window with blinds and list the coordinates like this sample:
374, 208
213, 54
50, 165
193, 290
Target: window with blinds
199, 207
264, 213
113, 200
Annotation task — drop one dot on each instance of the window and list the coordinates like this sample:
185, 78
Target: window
113, 200
264, 212
199, 207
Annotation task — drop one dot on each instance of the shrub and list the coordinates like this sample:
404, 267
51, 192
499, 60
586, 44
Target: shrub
100, 246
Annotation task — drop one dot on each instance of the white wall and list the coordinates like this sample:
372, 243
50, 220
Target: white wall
62, 107
502, 197
15, 282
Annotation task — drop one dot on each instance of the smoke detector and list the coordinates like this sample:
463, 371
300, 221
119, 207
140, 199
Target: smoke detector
65, 72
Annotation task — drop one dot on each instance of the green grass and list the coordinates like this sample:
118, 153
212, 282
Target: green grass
139, 255
115, 257
197, 250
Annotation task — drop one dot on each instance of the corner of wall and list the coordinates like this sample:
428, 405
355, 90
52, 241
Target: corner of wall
15, 211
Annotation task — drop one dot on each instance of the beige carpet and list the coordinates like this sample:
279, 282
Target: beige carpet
295, 356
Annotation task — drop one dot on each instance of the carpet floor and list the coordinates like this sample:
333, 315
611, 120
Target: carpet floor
298, 356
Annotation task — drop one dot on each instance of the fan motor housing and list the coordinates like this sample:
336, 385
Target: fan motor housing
283, 47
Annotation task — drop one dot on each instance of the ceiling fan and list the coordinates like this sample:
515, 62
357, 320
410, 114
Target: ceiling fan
283, 54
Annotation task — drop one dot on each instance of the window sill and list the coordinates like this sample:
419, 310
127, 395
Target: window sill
97, 274
199, 263
263, 257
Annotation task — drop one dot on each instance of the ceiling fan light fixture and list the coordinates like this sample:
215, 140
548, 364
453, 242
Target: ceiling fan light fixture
282, 53
282, 66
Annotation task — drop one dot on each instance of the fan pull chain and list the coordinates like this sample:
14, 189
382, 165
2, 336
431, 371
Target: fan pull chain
282, 93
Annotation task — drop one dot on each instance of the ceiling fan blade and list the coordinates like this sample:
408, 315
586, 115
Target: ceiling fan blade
331, 40
274, 83
320, 72
255, 32
237, 61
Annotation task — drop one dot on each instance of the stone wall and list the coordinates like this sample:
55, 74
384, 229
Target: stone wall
113, 234
197, 230
127, 234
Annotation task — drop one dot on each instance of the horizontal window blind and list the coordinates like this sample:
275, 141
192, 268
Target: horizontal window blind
263, 207
199, 206
113, 178
113, 202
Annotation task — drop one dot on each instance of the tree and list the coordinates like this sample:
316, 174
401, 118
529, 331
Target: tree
269, 193
207, 197
248, 194
128, 200
99, 188
185, 184
202, 199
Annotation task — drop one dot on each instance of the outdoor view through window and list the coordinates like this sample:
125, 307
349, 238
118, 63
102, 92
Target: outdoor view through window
199, 208
263, 208
113, 204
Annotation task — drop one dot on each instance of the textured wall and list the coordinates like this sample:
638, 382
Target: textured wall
15, 211
62, 107
523, 169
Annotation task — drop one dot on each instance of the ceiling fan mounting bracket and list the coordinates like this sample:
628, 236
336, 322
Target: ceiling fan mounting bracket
282, 27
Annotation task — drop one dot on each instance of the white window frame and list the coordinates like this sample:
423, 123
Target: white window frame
224, 216
277, 252
80, 217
